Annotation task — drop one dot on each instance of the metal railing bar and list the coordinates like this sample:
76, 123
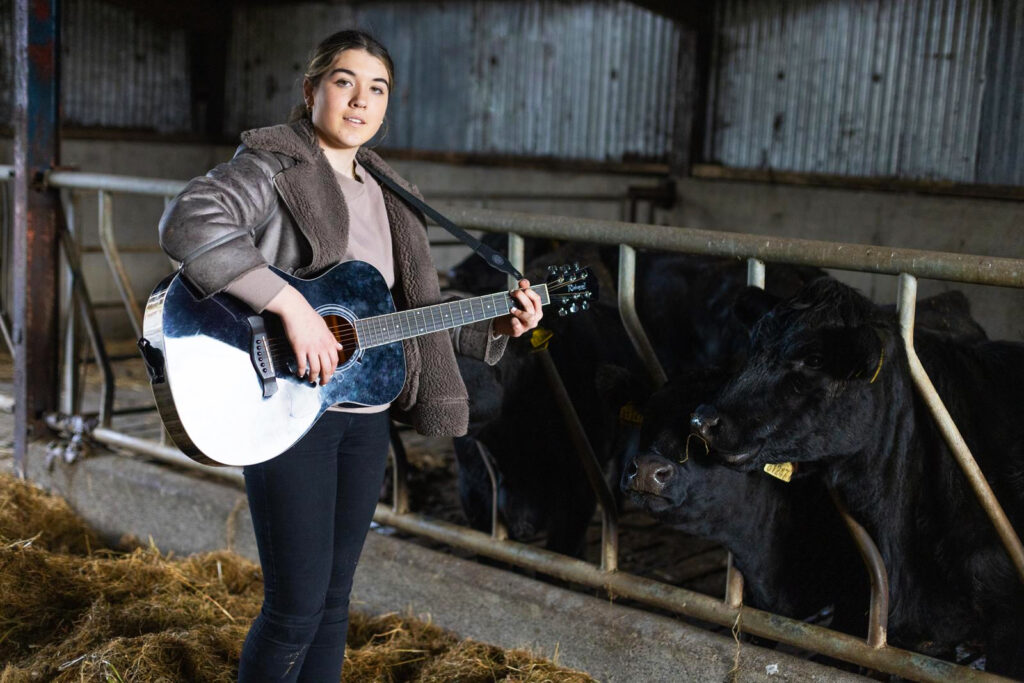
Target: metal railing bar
111, 303
484, 196
1011, 541
164, 454
654, 593
734, 577
878, 611
159, 187
127, 249
69, 369
516, 256
588, 460
399, 473
630, 319
114, 262
5, 331
733, 584
973, 268
499, 531
99, 349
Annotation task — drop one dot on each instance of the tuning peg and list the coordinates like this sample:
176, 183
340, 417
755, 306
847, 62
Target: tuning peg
562, 312
573, 307
585, 305
552, 270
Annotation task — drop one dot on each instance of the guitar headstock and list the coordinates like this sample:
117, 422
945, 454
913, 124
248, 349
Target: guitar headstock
572, 287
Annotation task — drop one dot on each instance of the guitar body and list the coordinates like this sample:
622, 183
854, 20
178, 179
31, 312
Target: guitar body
202, 362
225, 379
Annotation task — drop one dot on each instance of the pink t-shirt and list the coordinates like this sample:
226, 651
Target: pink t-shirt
369, 237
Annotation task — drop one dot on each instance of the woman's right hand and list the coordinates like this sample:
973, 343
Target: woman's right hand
315, 348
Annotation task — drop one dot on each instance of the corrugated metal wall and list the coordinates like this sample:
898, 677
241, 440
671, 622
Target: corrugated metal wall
123, 71
119, 70
570, 80
921, 89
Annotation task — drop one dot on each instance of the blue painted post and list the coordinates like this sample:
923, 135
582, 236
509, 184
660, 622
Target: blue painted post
36, 212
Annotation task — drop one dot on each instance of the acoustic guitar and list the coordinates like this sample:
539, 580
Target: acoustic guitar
225, 380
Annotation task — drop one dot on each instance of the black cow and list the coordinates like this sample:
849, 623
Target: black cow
516, 423
541, 482
827, 383
787, 539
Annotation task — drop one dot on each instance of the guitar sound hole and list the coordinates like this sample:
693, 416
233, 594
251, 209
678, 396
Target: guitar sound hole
345, 333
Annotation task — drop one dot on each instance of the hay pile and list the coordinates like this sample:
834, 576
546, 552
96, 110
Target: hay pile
72, 610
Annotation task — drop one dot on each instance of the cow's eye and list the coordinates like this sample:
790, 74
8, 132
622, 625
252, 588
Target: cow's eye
814, 361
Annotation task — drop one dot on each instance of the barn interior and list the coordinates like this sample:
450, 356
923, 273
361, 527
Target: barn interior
879, 141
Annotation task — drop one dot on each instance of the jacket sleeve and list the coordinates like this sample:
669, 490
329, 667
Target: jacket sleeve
480, 342
211, 227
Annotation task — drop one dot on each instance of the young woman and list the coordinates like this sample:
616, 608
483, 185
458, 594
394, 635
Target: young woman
298, 196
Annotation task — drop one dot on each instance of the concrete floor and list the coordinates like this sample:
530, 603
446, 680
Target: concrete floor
186, 512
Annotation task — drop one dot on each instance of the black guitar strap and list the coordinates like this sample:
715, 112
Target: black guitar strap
493, 258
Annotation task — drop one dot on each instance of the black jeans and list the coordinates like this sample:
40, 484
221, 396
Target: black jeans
311, 508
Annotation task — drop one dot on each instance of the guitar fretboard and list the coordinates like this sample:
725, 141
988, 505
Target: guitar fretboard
385, 329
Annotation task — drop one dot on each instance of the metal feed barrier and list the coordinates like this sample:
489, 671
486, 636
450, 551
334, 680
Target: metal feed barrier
908, 264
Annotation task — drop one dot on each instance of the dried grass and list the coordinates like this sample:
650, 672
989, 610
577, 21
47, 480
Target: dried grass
73, 610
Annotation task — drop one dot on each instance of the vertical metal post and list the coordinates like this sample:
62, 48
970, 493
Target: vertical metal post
733, 576
117, 269
399, 474
944, 421
755, 273
70, 379
595, 477
733, 585
878, 611
516, 256
36, 210
630, 319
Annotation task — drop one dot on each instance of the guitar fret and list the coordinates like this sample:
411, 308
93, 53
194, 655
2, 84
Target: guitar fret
392, 327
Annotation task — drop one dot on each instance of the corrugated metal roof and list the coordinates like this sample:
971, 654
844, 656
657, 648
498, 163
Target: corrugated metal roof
569, 80
119, 70
928, 89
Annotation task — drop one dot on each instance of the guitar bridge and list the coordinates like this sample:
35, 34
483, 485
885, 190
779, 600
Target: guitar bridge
259, 354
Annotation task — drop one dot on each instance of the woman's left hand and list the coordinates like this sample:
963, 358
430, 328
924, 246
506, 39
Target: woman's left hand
523, 318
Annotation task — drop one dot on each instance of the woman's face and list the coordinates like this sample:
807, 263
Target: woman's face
349, 102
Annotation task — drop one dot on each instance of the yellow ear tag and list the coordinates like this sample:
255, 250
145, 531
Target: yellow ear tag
780, 470
628, 414
540, 338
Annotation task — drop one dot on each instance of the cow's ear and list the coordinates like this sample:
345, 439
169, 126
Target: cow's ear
751, 304
618, 386
853, 353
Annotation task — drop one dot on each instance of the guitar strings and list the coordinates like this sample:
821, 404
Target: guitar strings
349, 337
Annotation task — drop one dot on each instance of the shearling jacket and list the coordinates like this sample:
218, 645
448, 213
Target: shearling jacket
278, 202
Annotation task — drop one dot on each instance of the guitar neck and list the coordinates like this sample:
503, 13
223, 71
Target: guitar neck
385, 329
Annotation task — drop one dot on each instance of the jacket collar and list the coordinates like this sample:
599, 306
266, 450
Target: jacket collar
295, 139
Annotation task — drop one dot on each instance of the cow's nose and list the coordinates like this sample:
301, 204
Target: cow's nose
651, 473
704, 420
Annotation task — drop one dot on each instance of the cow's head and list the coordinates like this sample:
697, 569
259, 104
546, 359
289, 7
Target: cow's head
672, 475
810, 388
